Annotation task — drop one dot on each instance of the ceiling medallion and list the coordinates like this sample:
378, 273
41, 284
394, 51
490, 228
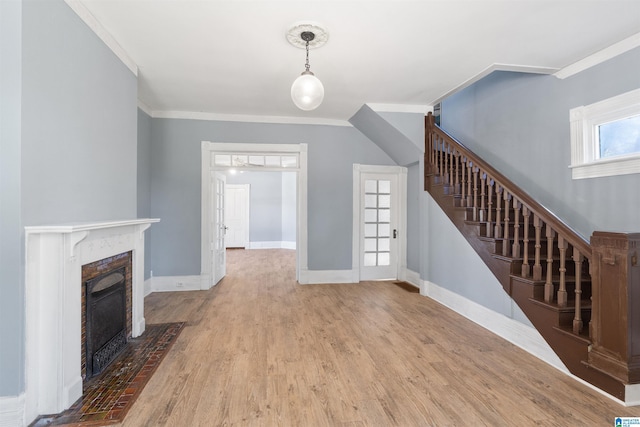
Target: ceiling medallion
294, 35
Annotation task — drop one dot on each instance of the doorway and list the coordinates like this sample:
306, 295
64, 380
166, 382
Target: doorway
237, 210
270, 222
222, 157
379, 221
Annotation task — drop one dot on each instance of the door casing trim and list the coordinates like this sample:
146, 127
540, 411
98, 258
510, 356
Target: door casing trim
401, 172
208, 149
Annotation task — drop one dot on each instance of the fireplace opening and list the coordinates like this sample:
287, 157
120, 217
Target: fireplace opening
106, 319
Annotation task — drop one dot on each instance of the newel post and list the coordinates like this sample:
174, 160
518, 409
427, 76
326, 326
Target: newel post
429, 123
615, 317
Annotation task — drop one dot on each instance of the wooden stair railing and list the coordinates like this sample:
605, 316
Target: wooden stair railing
540, 261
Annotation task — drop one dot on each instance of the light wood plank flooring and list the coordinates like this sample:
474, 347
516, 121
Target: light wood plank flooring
261, 350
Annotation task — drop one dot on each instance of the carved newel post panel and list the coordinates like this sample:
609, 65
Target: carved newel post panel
615, 318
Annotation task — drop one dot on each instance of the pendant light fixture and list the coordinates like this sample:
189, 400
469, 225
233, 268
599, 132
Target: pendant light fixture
307, 91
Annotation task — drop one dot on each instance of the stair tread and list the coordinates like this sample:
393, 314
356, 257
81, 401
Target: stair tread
507, 258
554, 279
584, 305
583, 336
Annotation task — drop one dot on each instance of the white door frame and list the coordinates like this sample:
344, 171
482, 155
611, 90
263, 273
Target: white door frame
401, 172
209, 150
247, 208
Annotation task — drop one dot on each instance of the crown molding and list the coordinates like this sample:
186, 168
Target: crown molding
490, 69
144, 107
600, 56
195, 115
102, 33
400, 108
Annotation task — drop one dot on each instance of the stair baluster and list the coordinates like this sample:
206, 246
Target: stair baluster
463, 189
445, 170
577, 319
490, 183
475, 194
450, 166
498, 228
483, 213
537, 267
441, 158
515, 249
562, 290
505, 241
456, 173
548, 285
525, 243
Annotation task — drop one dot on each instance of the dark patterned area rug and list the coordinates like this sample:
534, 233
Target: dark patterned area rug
107, 397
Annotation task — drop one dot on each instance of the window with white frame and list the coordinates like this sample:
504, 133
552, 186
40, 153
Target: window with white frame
605, 137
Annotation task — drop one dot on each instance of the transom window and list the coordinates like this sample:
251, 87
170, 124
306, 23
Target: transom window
605, 137
240, 160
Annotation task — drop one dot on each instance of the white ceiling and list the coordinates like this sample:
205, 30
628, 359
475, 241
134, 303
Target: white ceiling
232, 57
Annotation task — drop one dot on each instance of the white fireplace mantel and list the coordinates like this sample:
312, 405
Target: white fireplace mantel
55, 255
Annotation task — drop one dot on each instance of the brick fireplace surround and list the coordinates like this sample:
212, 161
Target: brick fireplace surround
55, 256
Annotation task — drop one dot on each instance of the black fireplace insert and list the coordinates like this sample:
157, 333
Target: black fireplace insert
106, 316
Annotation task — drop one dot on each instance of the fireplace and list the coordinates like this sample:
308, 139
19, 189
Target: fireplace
57, 260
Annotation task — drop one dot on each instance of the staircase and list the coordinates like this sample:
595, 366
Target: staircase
541, 263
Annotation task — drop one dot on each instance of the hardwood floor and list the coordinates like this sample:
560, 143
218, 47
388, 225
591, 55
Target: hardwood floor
261, 350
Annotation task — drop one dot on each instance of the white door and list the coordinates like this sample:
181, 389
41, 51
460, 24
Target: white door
219, 229
379, 204
237, 215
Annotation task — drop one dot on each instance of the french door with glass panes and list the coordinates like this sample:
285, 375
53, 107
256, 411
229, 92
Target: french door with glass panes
219, 229
378, 226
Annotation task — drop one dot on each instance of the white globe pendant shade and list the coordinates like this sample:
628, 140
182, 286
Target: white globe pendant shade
307, 91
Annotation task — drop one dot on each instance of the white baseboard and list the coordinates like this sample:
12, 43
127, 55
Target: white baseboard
196, 283
12, 411
173, 284
325, 276
413, 278
147, 286
272, 245
519, 334
631, 395
289, 245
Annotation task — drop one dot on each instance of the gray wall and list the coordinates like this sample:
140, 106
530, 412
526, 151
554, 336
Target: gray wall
266, 208
520, 124
68, 144
289, 206
453, 264
412, 126
11, 264
144, 181
175, 187
414, 216
79, 121
388, 133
